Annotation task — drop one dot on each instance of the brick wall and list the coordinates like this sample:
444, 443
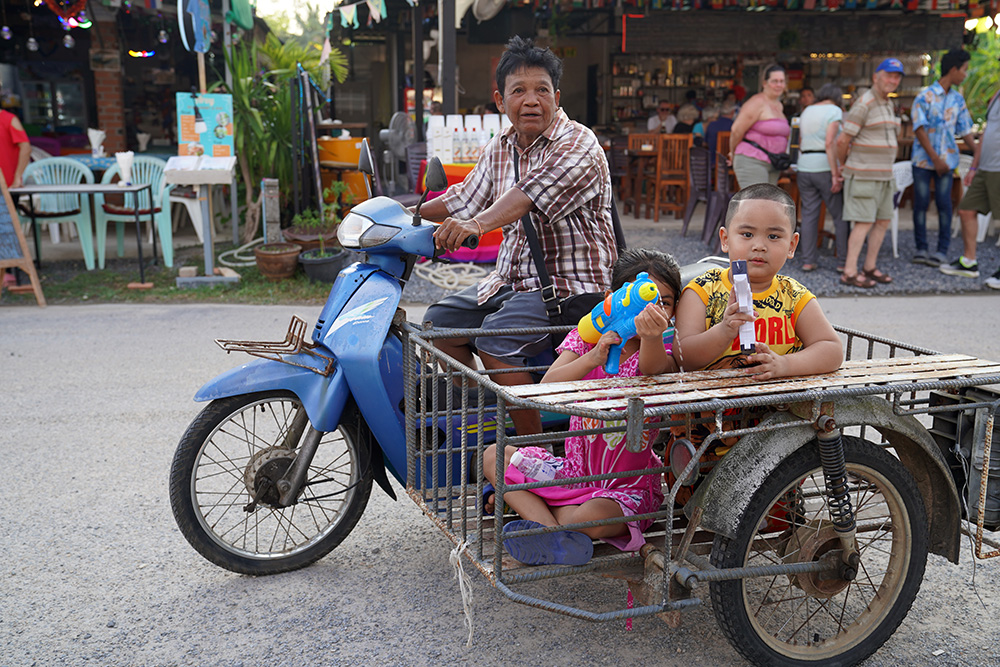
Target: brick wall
109, 95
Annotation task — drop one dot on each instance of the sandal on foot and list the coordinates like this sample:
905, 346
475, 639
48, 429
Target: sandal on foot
840, 269
563, 547
489, 500
878, 276
809, 267
857, 280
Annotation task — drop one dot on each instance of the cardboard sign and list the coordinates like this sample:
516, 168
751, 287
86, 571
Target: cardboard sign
13, 247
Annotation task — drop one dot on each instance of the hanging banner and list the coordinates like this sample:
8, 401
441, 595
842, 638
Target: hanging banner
205, 125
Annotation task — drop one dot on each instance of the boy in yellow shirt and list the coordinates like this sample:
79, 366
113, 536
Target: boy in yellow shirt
792, 332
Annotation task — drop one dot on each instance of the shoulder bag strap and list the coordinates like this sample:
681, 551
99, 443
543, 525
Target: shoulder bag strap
759, 147
553, 307
551, 300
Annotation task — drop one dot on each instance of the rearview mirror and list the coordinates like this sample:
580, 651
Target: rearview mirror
436, 178
365, 161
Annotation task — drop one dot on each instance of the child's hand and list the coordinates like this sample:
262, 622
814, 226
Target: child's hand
598, 356
732, 318
770, 364
651, 322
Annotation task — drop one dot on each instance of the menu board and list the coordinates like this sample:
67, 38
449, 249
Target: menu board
205, 125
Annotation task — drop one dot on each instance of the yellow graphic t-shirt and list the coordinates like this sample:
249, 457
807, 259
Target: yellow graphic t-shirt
777, 308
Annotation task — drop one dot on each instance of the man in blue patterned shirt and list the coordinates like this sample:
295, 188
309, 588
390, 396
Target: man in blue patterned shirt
939, 115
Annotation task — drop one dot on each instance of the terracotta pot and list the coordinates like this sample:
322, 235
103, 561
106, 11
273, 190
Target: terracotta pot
277, 261
310, 240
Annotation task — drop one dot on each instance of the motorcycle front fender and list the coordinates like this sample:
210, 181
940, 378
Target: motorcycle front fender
323, 397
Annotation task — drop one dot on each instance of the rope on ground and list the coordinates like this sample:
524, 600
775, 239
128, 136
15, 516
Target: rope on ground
242, 256
464, 584
450, 276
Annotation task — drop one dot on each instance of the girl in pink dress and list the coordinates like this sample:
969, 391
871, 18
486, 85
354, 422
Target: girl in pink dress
648, 353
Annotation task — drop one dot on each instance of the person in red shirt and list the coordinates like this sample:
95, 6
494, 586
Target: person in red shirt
14, 149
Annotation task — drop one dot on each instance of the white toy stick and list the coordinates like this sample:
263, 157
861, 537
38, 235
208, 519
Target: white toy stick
744, 298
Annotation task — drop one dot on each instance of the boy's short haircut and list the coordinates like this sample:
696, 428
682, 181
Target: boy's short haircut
764, 191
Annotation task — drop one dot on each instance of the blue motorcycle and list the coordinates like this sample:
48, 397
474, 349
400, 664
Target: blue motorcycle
276, 471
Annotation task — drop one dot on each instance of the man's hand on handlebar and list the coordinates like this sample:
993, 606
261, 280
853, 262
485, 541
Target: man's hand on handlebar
452, 233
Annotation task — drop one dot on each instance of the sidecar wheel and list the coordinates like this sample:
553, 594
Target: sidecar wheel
810, 619
235, 449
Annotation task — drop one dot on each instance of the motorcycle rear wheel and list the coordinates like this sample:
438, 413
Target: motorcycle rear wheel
235, 450
788, 620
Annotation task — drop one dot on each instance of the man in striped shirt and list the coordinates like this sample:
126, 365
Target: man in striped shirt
867, 148
551, 168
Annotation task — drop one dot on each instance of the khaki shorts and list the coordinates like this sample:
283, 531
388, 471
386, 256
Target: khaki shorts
868, 201
983, 195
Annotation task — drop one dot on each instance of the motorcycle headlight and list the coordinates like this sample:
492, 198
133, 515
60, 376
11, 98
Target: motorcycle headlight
351, 228
356, 231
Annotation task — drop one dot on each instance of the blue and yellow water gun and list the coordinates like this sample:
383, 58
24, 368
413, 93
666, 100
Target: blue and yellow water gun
617, 313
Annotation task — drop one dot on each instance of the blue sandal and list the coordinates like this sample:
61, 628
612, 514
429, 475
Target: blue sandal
564, 547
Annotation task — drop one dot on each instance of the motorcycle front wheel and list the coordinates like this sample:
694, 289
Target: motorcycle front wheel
812, 619
223, 485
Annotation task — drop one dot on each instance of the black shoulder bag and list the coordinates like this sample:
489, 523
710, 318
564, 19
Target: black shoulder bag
779, 161
566, 311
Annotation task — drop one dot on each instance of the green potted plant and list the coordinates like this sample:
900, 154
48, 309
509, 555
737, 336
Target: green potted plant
262, 115
321, 264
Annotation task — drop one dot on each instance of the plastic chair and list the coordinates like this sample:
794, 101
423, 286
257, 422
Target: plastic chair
671, 190
186, 199
699, 182
55, 209
618, 164
415, 153
144, 170
903, 173
718, 204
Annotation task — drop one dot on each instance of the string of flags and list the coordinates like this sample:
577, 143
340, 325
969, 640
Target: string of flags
376, 12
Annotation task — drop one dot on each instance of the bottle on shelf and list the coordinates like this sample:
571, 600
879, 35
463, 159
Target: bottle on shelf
457, 146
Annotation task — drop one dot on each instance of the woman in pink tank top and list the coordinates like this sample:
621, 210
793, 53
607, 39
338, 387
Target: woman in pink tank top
762, 121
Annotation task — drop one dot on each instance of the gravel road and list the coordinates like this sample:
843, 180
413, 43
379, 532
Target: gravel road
94, 571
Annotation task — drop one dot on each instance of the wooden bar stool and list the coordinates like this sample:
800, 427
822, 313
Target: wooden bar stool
642, 151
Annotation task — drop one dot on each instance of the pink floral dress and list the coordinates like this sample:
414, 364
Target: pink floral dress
603, 453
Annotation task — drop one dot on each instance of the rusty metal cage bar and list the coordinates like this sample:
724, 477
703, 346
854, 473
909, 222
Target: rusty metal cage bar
437, 500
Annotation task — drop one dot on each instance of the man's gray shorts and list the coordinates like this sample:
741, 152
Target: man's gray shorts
506, 309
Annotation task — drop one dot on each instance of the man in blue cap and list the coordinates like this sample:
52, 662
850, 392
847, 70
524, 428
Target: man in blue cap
867, 148
939, 115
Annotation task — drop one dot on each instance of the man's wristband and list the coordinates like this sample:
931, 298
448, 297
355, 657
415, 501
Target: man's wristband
479, 227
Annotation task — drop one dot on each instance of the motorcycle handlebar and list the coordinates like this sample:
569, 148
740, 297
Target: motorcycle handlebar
471, 242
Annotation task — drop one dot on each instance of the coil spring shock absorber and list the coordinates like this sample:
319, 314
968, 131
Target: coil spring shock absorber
831, 456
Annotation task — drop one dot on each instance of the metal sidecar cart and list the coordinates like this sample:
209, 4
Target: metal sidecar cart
811, 531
